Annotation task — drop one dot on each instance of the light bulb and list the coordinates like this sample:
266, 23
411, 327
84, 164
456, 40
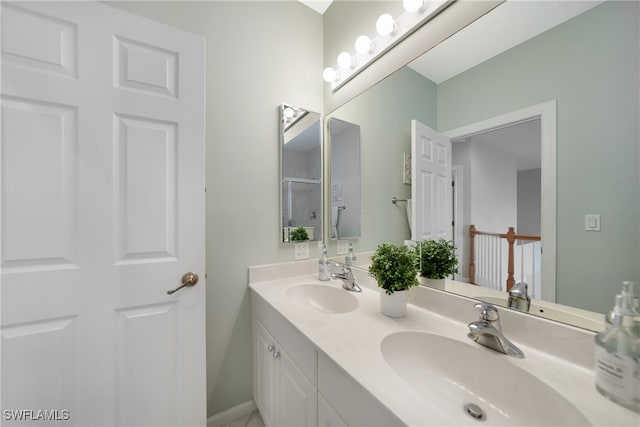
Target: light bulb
329, 75
345, 60
385, 25
288, 112
413, 6
364, 45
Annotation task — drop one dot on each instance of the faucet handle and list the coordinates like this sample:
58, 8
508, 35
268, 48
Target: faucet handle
488, 312
346, 268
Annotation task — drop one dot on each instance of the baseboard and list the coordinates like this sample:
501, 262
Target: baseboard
225, 417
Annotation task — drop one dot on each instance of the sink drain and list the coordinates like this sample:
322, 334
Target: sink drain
474, 411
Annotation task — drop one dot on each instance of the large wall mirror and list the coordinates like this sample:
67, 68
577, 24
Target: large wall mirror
344, 138
300, 174
584, 62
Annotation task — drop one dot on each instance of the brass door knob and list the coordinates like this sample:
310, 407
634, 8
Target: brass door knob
188, 279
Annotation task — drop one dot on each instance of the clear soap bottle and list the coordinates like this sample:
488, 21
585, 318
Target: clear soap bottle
323, 265
617, 369
632, 306
350, 258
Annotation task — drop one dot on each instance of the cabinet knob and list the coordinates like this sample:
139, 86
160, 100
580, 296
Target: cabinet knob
270, 348
276, 354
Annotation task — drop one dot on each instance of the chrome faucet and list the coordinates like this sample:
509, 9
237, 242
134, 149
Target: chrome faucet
488, 332
346, 275
519, 298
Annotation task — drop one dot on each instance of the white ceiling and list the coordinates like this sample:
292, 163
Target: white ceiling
319, 6
506, 26
520, 141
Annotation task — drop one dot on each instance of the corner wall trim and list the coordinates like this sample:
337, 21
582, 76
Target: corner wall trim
231, 414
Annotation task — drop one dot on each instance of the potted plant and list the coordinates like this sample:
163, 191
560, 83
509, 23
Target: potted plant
299, 235
437, 261
395, 268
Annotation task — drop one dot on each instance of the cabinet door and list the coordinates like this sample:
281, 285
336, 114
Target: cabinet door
327, 416
355, 405
265, 373
296, 395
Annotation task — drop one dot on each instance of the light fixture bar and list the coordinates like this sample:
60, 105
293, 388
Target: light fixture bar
396, 30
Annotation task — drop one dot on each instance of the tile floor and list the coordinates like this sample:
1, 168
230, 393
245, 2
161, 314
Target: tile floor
250, 420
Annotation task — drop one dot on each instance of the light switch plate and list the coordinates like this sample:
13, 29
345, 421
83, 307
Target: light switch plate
301, 250
592, 222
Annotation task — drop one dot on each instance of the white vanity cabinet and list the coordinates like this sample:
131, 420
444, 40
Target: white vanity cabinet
346, 402
296, 385
327, 416
284, 371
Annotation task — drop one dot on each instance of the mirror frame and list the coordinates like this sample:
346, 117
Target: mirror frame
289, 116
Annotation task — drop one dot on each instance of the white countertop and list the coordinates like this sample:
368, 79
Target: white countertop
352, 340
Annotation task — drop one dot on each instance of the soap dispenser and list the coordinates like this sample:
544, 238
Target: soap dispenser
323, 265
617, 369
628, 295
350, 258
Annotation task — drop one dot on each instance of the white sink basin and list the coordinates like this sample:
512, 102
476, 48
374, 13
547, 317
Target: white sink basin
458, 375
323, 298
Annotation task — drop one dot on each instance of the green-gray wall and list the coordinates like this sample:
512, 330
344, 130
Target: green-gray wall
384, 113
259, 55
590, 66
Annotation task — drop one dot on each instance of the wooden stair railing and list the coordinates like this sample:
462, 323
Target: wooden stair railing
511, 237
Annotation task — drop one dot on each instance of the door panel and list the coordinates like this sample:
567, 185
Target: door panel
41, 187
431, 190
135, 59
102, 140
145, 190
51, 49
150, 361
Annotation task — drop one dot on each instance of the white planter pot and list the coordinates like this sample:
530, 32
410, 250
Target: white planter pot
394, 305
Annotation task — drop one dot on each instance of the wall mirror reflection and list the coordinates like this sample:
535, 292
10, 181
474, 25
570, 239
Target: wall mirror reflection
345, 179
300, 174
570, 90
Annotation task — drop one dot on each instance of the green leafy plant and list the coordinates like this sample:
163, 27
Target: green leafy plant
299, 234
437, 259
394, 267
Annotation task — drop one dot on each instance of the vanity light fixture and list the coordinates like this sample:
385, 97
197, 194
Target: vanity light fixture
413, 6
390, 32
345, 60
364, 45
386, 25
329, 75
288, 113
291, 114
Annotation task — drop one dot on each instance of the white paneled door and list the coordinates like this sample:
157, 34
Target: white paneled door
431, 191
102, 214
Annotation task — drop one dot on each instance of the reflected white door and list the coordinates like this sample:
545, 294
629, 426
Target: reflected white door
102, 213
432, 214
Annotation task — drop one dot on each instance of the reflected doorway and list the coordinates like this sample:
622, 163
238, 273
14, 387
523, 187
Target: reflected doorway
541, 117
503, 189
